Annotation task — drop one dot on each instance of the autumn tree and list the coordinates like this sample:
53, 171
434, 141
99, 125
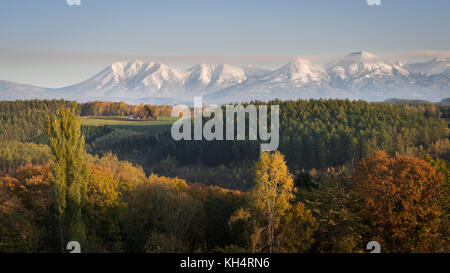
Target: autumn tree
442, 243
330, 200
270, 207
146, 112
17, 232
272, 194
27, 210
397, 199
161, 217
218, 206
69, 172
298, 228
103, 211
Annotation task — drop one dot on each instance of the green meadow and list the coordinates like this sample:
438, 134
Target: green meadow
124, 123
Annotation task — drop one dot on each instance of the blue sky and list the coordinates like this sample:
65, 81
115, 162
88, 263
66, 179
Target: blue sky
49, 43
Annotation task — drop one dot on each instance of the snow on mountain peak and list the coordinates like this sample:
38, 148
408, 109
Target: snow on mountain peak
160, 75
199, 76
227, 73
209, 77
200, 72
301, 71
361, 57
433, 67
124, 69
362, 64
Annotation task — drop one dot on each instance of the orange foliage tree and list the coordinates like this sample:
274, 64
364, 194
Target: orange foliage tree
397, 201
26, 210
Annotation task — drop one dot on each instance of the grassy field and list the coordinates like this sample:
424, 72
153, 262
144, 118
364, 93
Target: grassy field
138, 126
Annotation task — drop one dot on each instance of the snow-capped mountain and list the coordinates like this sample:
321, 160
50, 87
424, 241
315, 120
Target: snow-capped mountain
297, 79
132, 79
362, 70
433, 67
359, 75
210, 78
298, 72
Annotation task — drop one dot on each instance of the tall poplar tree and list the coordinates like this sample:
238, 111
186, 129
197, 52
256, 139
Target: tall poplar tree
69, 172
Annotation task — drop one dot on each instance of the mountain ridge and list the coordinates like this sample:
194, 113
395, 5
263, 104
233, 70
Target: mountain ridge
359, 75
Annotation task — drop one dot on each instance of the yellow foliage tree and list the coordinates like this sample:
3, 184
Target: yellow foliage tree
271, 211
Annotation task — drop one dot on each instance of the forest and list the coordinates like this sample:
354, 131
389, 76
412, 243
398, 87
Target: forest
346, 173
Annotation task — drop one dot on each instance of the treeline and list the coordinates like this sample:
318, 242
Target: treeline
27, 105
95, 108
102, 108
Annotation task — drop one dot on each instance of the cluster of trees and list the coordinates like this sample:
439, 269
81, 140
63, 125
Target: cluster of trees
56, 192
105, 204
25, 120
23, 126
26, 105
313, 134
16, 154
401, 202
95, 108
326, 133
238, 176
103, 108
274, 220
119, 209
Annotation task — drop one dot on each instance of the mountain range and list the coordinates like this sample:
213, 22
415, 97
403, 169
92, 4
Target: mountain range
359, 75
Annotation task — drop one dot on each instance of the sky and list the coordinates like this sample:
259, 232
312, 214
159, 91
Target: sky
52, 44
